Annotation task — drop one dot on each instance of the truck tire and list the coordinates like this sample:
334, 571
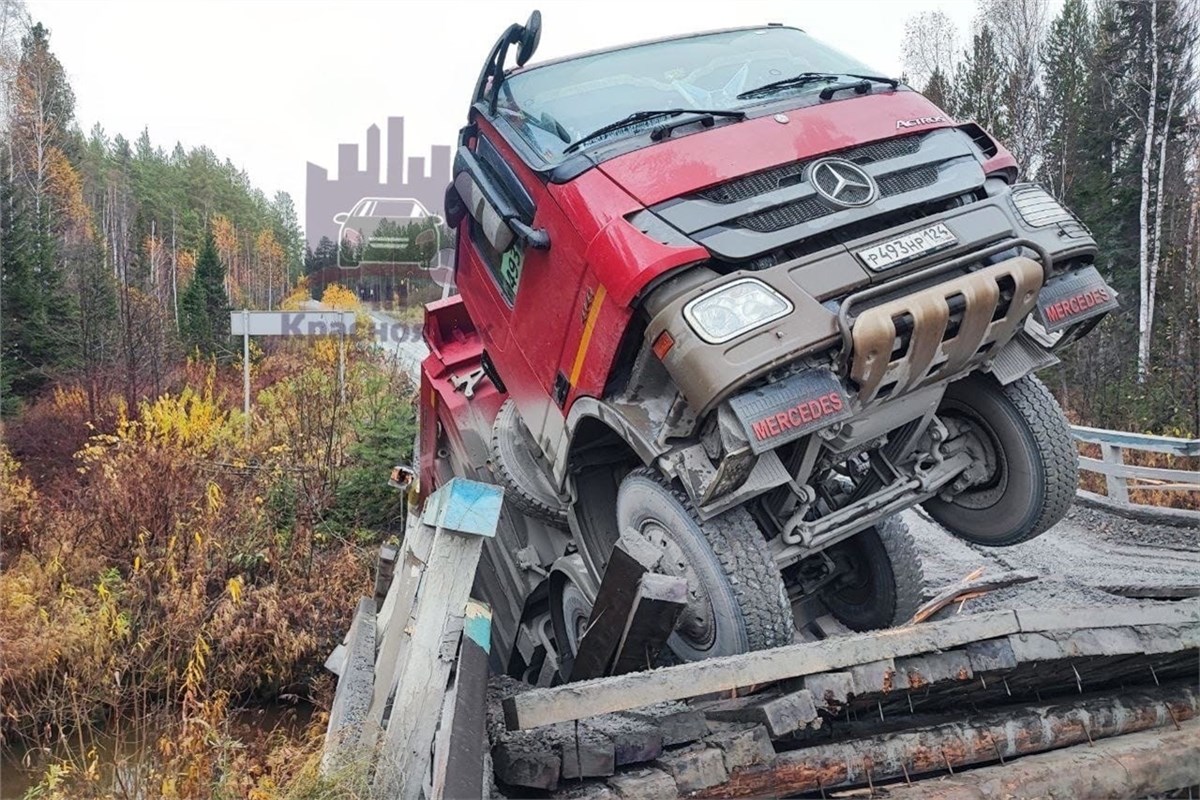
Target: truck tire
883, 583
1036, 470
737, 598
518, 467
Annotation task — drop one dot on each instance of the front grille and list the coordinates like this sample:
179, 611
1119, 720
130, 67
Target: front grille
786, 216
789, 174
885, 150
802, 211
908, 181
756, 184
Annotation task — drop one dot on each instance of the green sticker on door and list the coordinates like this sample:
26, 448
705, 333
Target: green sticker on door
511, 262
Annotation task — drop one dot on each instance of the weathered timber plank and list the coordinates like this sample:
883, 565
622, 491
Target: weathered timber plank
610, 614
585, 752
385, 568
352, 698
634, 739
677, 723
830, 690
981, 584
930, 668
743, 746
644, 784
656, 606
425, 668
991, 655
587, 698
527, 762
1034, 620
695, 767
877, 677
780, 713
393, 634
463, 776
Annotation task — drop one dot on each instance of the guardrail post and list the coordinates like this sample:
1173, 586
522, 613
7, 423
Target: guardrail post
1117, 485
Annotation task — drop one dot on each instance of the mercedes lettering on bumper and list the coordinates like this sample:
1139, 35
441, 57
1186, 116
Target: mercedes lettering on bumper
780, 412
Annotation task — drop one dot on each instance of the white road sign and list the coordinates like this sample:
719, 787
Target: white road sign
291, 323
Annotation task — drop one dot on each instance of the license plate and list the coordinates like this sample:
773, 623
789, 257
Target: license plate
907, 247
788, 409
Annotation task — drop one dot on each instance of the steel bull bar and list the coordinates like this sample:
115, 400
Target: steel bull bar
868, 339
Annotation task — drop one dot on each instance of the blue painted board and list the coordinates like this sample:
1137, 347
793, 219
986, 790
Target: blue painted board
465, 506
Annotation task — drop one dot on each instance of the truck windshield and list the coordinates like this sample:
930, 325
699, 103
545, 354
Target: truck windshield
553, 105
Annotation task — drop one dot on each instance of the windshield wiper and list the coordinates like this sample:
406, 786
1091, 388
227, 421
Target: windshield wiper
811, 77
642, 116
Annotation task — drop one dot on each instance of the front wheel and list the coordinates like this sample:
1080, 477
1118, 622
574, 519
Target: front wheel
879, 582
737, 600
1030, 465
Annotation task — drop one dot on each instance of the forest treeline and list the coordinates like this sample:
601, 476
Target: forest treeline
1097, 100
100, 236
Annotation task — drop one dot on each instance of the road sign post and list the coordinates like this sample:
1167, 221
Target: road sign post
246, 371
289, 323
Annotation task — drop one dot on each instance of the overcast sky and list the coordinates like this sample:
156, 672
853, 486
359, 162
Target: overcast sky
272, 84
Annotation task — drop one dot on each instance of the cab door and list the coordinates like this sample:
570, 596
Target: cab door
521, 291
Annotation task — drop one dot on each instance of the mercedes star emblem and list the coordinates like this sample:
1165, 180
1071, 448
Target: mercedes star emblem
843, 182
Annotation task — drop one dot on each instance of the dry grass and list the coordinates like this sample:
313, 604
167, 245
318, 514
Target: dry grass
160, 568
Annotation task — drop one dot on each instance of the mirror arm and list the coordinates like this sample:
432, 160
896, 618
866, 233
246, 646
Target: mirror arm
537, 238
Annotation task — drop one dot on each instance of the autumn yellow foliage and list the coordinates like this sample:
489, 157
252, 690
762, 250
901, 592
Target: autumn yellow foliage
178, 568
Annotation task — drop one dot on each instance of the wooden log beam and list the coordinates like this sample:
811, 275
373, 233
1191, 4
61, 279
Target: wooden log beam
1146, 764
1003, 734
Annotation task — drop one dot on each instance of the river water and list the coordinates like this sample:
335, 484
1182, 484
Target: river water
127, 755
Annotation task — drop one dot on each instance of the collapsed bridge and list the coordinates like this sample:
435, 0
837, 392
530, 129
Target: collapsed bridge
1063, 667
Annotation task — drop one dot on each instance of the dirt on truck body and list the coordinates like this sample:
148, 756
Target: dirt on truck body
734, 302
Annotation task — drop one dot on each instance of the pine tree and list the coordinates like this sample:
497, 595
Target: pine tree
938, 90
979, 85
204, 307
1067, 62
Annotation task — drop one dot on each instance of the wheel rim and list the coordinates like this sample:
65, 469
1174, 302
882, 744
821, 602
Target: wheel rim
575, 613
982, 442
697, 622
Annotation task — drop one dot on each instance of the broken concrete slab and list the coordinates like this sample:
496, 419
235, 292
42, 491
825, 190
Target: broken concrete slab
694, 767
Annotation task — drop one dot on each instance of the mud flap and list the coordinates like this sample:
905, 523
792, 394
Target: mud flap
780, 412
1074, 297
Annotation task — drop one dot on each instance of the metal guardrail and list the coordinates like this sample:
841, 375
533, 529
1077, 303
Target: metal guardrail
1120, 477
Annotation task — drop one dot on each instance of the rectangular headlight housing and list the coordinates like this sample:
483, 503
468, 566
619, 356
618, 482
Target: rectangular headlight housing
735, 308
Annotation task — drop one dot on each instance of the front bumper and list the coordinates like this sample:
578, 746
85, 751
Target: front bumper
818, 284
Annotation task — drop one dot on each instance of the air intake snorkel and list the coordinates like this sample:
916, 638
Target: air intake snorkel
526, 38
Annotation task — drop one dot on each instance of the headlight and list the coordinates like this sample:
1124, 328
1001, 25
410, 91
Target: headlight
735, 308
1038, 208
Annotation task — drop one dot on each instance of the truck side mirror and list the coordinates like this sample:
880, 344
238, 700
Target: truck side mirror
529, 37
341, 217
491, 207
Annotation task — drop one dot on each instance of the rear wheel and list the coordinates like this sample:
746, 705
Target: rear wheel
519, 468
880, 582
737, 600
1031, 466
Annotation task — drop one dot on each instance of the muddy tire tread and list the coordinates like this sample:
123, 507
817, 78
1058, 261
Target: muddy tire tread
514, 492
907, 571
740, 548
1056, 448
